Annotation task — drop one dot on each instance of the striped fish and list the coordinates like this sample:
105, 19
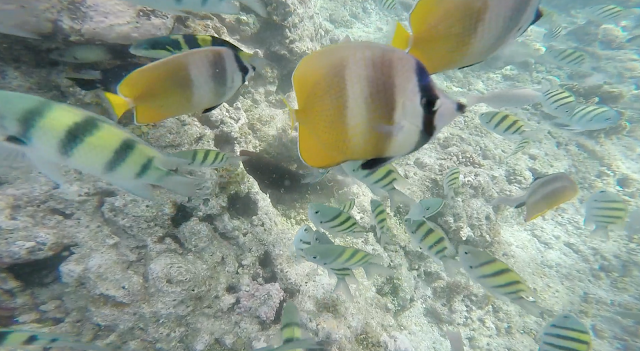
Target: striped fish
504, 124
590, 117
498, 278
388, 5
604, 13
382, 181
553, 34
569, 58
12, 338
51, 134
558, 102
431, 239
303, 239
165, 46
208, 158
451, 182
565, 333
605, 209
334, 220
292, 332
340, 257
521, 146
348, 205
344, 276
381, 220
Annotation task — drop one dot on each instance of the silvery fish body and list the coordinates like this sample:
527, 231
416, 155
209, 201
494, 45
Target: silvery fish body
604, 210
334, 220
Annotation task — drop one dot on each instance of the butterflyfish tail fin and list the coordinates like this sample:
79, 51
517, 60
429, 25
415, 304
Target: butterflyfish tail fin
119, 104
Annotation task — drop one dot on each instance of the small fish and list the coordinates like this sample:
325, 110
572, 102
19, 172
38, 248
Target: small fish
348, 205
431, 206
315, 175
565, 333
553, 34
590, 117
605, 209
604, 13
505, 124
106, 79
451, 182
208, 158
506, 98
431, 239
52, 134
498, 278
521, 146
334, 220
455, 340
387, 5
382, 181
165, 46
197, 80
544, 194
82, 54
569, 58
307, 236
559, 102
463, 32
291, 332
13, 338
341, 117
381, 220
339, 257
224, 7
344, 276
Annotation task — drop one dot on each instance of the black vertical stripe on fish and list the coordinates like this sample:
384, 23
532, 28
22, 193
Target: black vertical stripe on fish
501, 120
30, 118
144, 169
292, 324
205, 156
436, 243
518, 130
568, 338
244, 70
77, 134
493, 116
426, 234
506, 285
194, 156
558, 347
124, 150
574, 330
217, 156
334, 218
485, 263
511, 125
32, 339
344, 221
495, 274
364, 257
191, 41
381, 220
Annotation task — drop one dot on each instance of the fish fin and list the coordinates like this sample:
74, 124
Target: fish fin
210, 109
375, 163
146, 114
528, 218
139, 189
86, 84
346, 39
179, 184
235, 160
401, 37
600, 232
396, 196
373, 269
342, 287
299, 344
256, 5
10, 155
515, 202
471, 65
451, 266
119, 104
47, 167
292, 113
531, 307
416, 212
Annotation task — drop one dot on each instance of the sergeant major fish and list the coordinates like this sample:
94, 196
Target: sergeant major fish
307, 236
463, 32
451, 182
505, 124
365, 101
291, 332
544, 194
14, 338
198, 80
432, 240
381, 221
339, 257
604, 210
334, 220
498, 278
565, 333
208, 158
590, 117
51, 134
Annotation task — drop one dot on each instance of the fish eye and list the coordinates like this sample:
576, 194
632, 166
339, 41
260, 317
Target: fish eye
470, 267
466, 253
317, 212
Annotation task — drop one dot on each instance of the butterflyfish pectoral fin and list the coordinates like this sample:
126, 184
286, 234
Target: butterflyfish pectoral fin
401, 37
119, 104
292, 112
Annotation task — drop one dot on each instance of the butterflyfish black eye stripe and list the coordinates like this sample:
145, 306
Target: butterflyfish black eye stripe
77, 134
121, 154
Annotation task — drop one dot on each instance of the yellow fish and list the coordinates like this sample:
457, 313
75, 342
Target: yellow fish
461, 33
197, 80
365, 101
544, 194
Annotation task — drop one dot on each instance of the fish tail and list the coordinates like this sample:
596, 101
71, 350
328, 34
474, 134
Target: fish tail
401, 37
600, 232
396, 196
451, 266
292, 112
532, 308
119, 104
343, 287
416, 212
373, 269
515, 202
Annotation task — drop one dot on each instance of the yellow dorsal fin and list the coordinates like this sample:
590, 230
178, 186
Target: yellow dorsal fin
401, 37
